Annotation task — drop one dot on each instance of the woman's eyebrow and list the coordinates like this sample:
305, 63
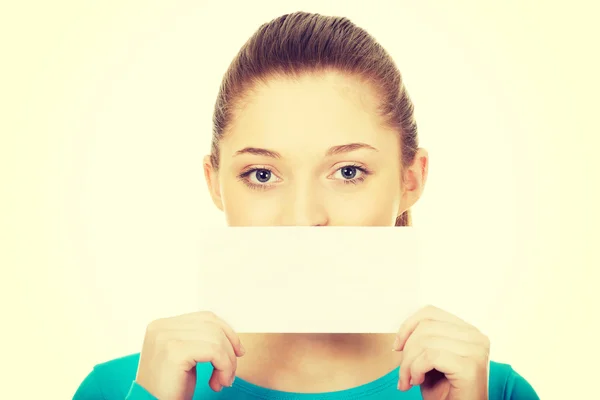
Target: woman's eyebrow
347, 148
258, 152
344, 148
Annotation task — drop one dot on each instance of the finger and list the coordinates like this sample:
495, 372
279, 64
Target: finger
462, 332
411, 350
211, 335
446, 362
416, 346
226, 377
233, 337
220, 379
213, 382
404, 374
426, 313
215, 353
224, 373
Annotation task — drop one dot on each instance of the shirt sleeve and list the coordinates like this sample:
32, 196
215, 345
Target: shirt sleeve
137, 392
518, 388
89, 389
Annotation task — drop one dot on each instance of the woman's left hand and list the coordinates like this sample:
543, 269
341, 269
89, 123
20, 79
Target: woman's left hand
446, 356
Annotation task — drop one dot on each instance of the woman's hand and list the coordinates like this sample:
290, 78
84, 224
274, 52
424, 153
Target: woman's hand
445, 355
173, 346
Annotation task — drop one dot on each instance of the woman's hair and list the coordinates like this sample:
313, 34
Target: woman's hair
300, 43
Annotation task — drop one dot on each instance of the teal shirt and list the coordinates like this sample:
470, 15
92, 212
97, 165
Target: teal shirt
115, 380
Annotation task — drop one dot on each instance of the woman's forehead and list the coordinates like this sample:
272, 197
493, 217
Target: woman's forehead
330, 90
314, 111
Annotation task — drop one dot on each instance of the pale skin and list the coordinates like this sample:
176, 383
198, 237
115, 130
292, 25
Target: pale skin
315, 153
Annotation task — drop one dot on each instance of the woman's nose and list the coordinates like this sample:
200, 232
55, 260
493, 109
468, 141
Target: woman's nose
306, 207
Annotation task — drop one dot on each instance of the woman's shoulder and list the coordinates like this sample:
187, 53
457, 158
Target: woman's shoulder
109, 380
505, 383
115, 380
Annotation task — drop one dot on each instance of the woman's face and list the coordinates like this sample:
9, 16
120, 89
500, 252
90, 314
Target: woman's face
312, 153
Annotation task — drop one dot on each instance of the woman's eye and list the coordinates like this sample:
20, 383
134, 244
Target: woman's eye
348, 173
260, 176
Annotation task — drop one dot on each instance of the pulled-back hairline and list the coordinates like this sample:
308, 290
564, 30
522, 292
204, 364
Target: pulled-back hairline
246, 92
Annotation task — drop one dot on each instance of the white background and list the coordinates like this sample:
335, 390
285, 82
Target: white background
108, 108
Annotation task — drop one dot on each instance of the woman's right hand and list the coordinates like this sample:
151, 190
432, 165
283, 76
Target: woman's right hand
173, 346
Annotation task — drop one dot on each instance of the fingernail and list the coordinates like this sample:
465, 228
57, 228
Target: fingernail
396, 344
232, 380
411, 382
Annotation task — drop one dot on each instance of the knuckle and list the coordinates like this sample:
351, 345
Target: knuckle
410, 344
155, 327
224, 338
425, 326
486, 341
235, 341
430, 355
430, 307
223, 358
209, 315
227, 360
485, 353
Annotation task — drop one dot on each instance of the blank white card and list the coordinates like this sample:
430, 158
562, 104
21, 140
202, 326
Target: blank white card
310, 279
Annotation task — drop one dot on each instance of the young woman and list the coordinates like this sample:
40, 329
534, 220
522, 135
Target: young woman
312, 126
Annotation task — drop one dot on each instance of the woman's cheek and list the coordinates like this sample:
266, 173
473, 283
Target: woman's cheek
362, 211
251, 208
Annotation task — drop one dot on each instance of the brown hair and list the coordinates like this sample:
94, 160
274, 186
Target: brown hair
299, 43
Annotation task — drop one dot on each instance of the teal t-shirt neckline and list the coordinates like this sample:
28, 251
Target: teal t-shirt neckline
358, 392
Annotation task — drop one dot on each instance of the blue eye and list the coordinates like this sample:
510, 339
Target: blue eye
259, 178
348, 172
351, 174
262, 175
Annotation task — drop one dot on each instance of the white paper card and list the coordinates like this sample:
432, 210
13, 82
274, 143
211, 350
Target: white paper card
310, 279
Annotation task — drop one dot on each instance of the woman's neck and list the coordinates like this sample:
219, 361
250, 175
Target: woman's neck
316, 362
